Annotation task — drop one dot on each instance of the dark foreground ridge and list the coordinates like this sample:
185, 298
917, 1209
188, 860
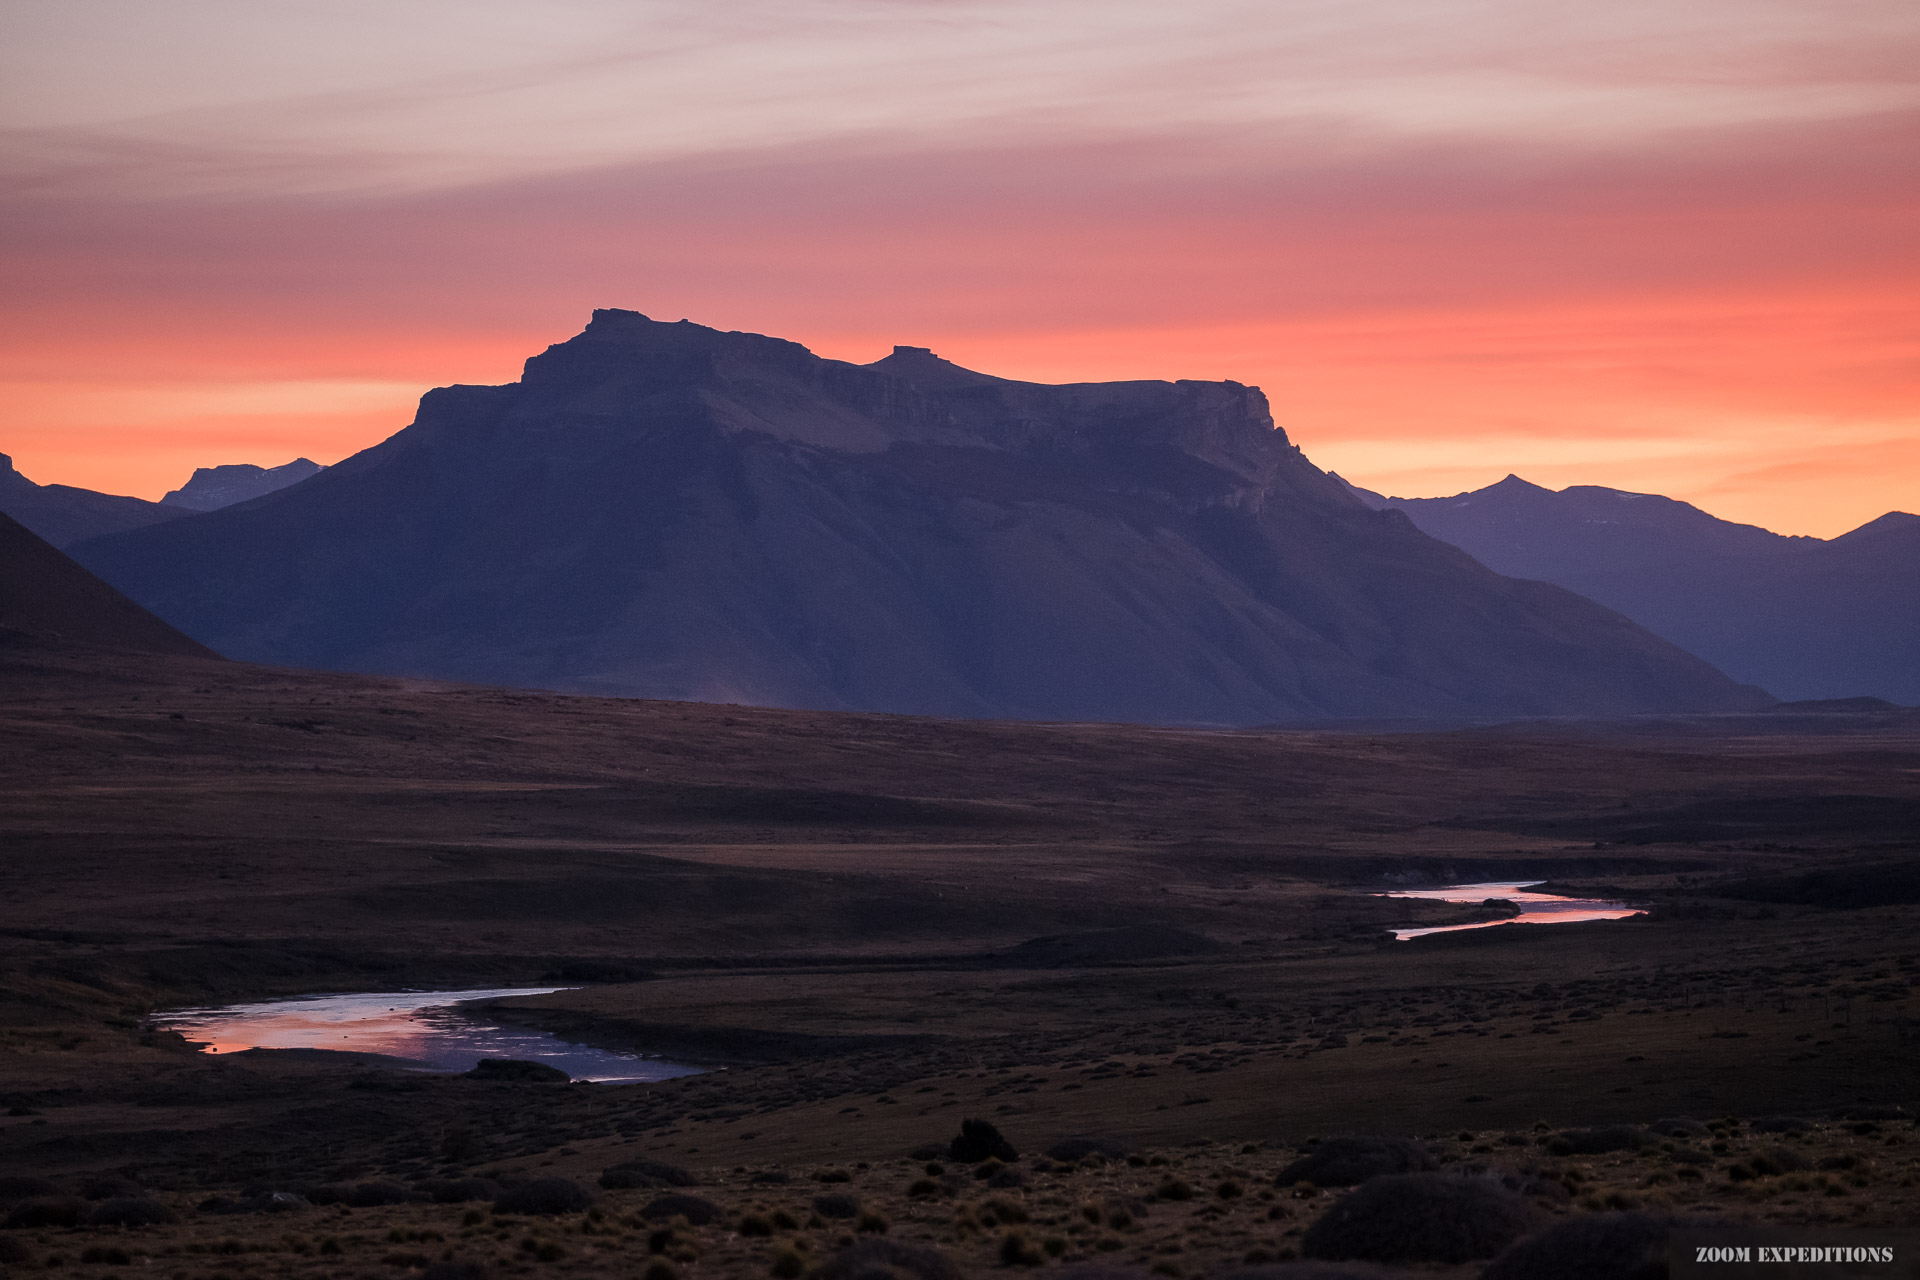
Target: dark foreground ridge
45, 598
667, 510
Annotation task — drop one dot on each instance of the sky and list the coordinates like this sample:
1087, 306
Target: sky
1663, 247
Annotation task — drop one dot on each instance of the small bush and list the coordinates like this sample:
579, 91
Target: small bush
1349, 1161
1419, 1217
754, 1224
1679, 1127
131, 1211
645, 1174
455, 1269
1173, 1189
872, 1223
878, 1256
13, 1253
789, 1264
1611, 1246
1229, 1190
1007, 1178
545, 1196
978, 1140
461, 1190
48, 1211
1002, 1210
837, 1206
108, 1186
1780, 1124
1598, 1142
371, 1195
695, 1209
15, 1187
1018, 1249
659, 1269
1073, 1150
106, 1253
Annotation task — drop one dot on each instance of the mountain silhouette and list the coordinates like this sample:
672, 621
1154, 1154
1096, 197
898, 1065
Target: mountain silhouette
667, 510
47, 599
210, 488
1805, 618
64, 514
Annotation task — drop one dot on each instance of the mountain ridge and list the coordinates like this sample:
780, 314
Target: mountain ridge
668, 510
1805, 618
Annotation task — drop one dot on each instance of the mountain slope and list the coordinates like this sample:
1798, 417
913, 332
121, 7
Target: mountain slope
46, 598
671, 511
210, 488
64, 515
1802, 617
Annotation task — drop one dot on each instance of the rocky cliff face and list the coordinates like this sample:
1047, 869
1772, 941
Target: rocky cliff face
665, 510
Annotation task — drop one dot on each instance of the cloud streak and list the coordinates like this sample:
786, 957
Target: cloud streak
1649, 245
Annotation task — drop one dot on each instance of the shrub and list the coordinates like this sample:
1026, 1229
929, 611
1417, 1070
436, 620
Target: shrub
1608, 1246
659, 1269
1349, 1161
1173, 1189
106, 1253
461, 1190
1073, 1150
371, 1195
48, 1211
1774, 1161
754, 1224
695, 1209
108, 1186
789, 1264
1679, 1127
131, 1211
1007, 1178
837, 1205
545, 1195
1002, 1210
16, 1187
645, 1173
878, 1255
872, 1222
1598, 1142
1419, 1217
1780, 1124
13, 1253
455, 1269
1018, 1249
978, 1140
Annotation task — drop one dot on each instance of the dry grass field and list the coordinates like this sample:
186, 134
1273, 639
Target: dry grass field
875, 927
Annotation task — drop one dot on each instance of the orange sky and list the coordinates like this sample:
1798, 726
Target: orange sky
1672, 252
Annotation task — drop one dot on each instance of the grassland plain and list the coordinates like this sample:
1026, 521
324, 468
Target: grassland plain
875, 927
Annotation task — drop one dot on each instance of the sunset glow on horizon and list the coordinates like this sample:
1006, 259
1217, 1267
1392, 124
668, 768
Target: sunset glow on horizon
1662, 248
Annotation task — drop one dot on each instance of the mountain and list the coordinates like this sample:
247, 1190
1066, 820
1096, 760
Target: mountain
211, 488
666, 510
1805, 618
46, 598
64, 515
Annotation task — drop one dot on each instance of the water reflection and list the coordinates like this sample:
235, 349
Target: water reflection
1535, 907
430, 1030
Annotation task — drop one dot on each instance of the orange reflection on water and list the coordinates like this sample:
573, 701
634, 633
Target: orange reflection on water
1536, 908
